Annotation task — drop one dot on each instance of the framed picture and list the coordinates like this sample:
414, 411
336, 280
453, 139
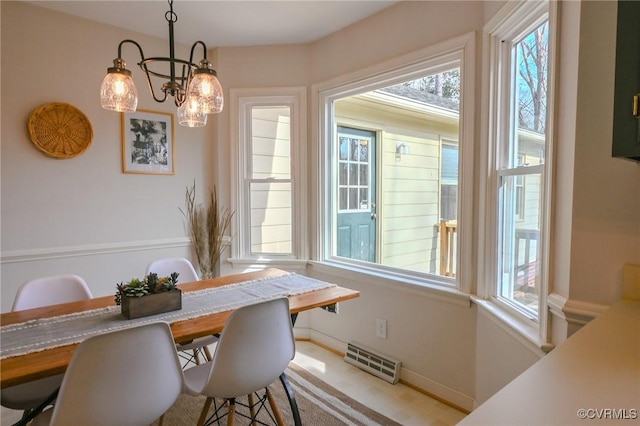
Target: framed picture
147, 142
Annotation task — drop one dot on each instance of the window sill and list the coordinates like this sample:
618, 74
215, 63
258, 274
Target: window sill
520, 329
251, 263
443, 292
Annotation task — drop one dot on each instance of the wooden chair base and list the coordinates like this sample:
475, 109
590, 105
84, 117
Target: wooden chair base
232, 412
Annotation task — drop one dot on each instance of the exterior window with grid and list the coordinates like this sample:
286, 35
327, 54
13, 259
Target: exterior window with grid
353, 178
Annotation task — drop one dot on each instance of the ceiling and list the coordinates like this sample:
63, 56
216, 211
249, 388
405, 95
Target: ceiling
224, 23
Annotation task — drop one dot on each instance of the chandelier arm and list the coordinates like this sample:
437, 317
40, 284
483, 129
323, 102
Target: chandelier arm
147, 74
193, 48
134, 43
142, 65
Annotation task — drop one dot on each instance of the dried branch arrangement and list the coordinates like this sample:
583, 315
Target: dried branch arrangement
206, 226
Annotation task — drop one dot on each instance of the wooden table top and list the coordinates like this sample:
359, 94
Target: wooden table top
24, 368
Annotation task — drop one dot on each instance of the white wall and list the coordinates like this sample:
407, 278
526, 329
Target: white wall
431, 334
500, 355
83, 215
606, 206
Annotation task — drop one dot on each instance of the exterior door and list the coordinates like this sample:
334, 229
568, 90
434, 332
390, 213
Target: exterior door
356, 194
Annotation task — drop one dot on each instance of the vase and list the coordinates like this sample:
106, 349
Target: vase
208, 273
151, 304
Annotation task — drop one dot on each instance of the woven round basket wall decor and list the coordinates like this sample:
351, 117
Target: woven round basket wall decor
60, 130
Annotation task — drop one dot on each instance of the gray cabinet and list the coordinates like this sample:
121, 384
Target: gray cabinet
626, 109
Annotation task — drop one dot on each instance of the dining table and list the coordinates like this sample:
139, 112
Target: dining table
35, 364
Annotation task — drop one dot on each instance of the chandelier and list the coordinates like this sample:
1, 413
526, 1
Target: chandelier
195, 88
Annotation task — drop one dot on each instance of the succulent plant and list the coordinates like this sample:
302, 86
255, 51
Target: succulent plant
150, 285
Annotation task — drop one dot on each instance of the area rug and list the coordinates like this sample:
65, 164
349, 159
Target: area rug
318, 403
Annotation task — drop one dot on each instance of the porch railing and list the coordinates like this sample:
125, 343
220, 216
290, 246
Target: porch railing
525, 256
448, 237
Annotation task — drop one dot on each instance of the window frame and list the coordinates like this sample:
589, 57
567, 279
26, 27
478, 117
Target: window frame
459, 51
241, 103
511, 22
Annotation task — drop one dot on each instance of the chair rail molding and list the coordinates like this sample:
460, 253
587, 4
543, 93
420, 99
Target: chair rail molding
30, 255
576, 312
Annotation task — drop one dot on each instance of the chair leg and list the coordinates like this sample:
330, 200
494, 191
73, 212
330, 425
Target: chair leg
207, 353
205, 410
252, 409
196, 356
231, 415
274, 408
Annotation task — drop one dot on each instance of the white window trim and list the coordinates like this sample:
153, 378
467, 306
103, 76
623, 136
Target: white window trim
460, 49
240, 100
537, 332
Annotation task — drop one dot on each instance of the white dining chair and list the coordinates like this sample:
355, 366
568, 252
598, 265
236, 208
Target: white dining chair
189, 351
112, 380
37, 293
255, 348
50, 290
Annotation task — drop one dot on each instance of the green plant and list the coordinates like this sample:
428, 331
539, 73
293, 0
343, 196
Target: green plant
151, 284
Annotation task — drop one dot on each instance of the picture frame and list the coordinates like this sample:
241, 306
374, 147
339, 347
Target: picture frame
148, 142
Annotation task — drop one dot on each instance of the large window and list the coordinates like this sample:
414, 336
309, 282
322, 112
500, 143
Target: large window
393, 149
520, 155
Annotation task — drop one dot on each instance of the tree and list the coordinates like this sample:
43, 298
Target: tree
445, 84
533, 55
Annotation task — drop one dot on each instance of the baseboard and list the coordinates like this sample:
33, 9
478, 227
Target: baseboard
448, 396
301, 334
426, 386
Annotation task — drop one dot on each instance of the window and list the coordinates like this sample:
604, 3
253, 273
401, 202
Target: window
449, 181
392, 150
270, 128
519, 144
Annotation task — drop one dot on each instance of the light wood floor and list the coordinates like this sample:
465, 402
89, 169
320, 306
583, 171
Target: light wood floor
398, 402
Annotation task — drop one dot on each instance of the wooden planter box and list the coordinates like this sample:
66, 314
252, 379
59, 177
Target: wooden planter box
136, 307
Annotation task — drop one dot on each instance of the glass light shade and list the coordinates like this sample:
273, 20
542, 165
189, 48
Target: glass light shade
118, 92
190, 115
206, 90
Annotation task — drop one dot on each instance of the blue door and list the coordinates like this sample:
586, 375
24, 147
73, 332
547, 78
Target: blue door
356, 194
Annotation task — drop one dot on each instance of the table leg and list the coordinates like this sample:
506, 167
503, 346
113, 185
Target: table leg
288, 390
34, 413
292, 399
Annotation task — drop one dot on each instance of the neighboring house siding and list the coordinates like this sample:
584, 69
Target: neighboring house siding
409, 187
271, 201
410, 206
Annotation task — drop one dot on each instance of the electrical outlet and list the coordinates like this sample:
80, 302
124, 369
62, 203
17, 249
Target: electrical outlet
381, 328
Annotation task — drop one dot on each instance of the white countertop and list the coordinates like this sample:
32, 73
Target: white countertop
596, 370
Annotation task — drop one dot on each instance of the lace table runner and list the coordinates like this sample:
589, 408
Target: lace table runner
46, 333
